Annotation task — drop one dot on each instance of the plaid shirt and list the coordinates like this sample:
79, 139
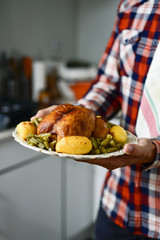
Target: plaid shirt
131, 195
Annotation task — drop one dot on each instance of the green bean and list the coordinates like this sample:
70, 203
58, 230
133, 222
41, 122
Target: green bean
92, 151
102, 150
99, 140
30, 135
112, 149
46, 145
39, 119
109, 136
52, 145
44, 136
42, 141
119, 145
112, 143
36, 122
106, 141
94, 143
30, 143
109, 124
33, 140
41, 145
97, 151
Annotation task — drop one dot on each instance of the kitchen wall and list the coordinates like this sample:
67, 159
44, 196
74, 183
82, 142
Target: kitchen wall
95, 20
37, 27
59, 28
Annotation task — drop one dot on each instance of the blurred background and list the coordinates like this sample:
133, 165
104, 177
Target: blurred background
49, 53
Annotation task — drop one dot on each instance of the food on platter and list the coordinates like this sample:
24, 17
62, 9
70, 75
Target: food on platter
26, 128
73, 130
119, 134
74, 145
68, 120
101, 129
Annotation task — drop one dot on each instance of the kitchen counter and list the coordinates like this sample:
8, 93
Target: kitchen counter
6, 134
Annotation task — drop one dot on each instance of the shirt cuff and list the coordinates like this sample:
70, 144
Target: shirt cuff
156, 163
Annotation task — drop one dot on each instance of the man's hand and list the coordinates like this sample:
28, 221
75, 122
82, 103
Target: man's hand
141, 153
43, 112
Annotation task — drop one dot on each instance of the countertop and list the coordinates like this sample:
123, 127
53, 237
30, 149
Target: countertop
6, 134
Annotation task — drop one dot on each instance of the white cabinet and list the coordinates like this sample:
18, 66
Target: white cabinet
79, 197
99, 177
42, 197
12, 154
30, 197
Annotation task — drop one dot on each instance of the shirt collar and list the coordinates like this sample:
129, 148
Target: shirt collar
127, 4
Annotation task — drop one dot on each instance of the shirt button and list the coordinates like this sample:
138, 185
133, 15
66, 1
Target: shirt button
126, 41
154, 43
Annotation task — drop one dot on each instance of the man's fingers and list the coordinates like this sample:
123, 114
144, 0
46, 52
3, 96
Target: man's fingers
137, 149
43, 112
39, 114
132, 149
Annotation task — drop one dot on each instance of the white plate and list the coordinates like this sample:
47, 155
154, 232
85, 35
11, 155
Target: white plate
131, 139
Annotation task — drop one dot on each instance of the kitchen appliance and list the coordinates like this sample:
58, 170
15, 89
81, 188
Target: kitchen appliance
42, 73
75, 78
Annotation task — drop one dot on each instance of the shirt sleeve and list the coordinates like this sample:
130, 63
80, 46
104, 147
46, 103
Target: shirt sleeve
104, 95
156, 162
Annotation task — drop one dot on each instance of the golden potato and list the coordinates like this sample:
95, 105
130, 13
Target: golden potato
74, 145
26, 128
119, 134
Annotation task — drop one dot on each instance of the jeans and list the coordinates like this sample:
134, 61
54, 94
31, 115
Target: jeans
106, 229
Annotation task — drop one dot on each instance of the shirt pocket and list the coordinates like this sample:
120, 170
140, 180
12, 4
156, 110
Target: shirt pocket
147, 47
128, 45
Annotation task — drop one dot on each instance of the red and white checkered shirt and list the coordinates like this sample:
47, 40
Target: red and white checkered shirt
131, 195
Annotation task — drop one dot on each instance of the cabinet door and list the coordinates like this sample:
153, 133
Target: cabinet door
79, 197
12, 153
30, 201
99, 177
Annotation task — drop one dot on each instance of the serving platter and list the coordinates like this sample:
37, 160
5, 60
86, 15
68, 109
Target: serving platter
130, 139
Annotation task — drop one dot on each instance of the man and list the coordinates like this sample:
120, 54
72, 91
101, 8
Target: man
130, 202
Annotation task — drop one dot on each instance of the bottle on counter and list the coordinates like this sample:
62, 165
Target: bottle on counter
51, 84
49, 94
25, 74
44, 98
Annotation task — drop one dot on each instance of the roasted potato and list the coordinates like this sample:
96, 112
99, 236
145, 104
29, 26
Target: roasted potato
26, 128
119, 134
74, 145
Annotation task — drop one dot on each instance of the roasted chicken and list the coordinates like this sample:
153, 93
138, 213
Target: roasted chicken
68, 120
